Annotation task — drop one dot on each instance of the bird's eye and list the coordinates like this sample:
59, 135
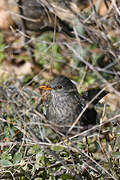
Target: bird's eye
59, 87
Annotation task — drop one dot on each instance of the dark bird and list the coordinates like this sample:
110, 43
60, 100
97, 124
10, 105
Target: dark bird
64, 104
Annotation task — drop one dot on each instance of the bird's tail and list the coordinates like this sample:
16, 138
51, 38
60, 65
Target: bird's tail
91, 93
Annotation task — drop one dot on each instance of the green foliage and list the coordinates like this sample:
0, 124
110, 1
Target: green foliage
48, 51
17, 157
81, 145
2, 47
34, 149
5, 160
66, 177
116, 155
57, 148
90, 78
82, 52
79, 27
5, 163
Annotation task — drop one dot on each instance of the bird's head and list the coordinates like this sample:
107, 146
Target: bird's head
60, 85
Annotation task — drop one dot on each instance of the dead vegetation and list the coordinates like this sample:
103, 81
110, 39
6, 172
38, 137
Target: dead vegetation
79, 39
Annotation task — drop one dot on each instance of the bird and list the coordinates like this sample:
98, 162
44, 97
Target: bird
64, 104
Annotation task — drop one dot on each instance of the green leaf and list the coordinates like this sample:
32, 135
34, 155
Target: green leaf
116, 155
34, 149
17, 157
57, 148
83, 52
45, 50
81, 145
67, 176
5, 156
118, 144
25, 168
5, 163
39, 157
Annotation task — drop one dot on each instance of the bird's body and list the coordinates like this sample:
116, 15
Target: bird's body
65, 104
69, 110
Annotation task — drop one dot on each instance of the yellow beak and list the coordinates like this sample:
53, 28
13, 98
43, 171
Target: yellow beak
45, 87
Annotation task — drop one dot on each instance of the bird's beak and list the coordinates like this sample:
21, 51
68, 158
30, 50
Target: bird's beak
47, 88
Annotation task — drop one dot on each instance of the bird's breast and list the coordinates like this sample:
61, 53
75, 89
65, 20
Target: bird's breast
62, 109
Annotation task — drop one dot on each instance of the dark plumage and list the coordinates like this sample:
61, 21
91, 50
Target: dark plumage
65, 104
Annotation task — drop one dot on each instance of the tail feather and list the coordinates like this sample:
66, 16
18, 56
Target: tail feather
91, 93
